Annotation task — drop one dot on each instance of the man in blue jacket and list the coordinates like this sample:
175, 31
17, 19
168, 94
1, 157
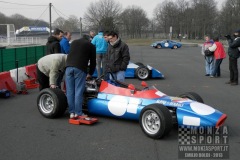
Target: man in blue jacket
101, 50
64, 43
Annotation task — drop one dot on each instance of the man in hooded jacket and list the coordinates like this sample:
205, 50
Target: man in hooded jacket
53, 44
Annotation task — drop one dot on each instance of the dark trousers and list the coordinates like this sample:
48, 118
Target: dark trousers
217, 70
233, 67
43, 80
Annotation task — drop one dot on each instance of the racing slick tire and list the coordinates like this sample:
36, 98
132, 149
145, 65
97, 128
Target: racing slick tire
142, 72
156, 121
52, 102
175, 47
158, 46
139, 64
193, 96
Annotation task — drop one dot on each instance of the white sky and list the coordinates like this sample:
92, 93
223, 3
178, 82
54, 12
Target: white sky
67, 7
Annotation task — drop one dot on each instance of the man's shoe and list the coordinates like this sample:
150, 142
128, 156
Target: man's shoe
211, 76
234, 84
207, 74
229, 82
72, 115
80, 116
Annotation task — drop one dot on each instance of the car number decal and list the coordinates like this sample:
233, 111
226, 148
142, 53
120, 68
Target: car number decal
119, 105
166, 44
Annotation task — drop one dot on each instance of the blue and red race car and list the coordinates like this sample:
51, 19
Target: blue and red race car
155, 111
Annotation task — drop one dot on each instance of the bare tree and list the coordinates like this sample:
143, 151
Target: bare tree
59, 22
229, 17
104, 13
134, 21
71, 24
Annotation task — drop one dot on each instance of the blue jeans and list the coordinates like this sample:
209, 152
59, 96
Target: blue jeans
209, 65
101, 57
75, 86
217, 70
120, 75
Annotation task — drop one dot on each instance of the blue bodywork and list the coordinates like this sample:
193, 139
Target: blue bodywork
166, 44
131, 68
188, 112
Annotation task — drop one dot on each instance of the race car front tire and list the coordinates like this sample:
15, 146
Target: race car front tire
156, 121
139, 64
142, 72
52, 102
193, 96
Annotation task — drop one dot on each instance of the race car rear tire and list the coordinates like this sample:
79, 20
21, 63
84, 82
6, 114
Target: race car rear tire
142, 73
52, 102
193, 96
175, 47
156, 121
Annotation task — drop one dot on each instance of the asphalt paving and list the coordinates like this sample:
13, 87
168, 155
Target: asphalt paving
26, 135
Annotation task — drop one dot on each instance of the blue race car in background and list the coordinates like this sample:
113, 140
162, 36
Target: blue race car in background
166, 44
140, 71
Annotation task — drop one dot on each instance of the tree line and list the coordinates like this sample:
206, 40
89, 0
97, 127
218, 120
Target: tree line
191, 18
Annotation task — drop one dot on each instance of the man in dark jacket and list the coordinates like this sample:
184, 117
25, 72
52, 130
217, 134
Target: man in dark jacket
82, 51
117, 57
234, 53
53, 44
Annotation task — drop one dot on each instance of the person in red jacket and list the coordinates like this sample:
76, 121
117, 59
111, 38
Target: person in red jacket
219, 55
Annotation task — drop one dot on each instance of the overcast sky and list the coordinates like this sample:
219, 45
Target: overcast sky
67, 7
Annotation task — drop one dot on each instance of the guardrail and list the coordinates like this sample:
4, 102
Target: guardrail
21, 41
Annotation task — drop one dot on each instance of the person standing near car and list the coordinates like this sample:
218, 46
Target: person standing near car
82, 52
64, 43
209, 64
117, 57
53, 44
234, 54
219, 55
101, 48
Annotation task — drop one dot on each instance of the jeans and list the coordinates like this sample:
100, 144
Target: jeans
75, 86
43, 80
209, 65
217, 70
101, 57
233, 67
120, 75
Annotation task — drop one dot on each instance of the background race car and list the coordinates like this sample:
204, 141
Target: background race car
140, 71
166, 44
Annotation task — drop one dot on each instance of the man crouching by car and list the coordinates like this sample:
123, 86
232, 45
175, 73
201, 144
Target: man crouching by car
117, 57
50, 70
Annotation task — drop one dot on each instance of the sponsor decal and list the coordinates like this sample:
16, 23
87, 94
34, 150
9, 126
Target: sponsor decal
167, 103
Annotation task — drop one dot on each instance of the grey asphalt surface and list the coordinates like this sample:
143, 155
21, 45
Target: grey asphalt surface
26, 135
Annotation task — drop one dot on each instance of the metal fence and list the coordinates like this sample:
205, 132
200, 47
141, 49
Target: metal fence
4, 41
24, 55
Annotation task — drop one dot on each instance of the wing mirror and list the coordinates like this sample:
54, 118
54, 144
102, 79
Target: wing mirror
144, 84
132, 88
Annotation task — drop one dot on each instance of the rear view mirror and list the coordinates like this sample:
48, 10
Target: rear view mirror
144, 84
132, 88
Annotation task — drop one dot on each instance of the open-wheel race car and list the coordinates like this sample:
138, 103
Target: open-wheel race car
140, 71
155, 111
